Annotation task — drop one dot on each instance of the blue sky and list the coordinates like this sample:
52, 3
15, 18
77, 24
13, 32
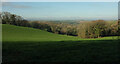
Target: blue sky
63, 10
59, 0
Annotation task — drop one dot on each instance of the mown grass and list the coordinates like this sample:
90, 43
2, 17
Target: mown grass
16, 33
23, 45
62, 51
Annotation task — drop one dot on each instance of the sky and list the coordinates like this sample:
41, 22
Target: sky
59, 0
63, 10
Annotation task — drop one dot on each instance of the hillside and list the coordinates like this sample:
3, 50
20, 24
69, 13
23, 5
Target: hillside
28, 45
17, 33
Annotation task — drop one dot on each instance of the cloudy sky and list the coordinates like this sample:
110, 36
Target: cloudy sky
63, 10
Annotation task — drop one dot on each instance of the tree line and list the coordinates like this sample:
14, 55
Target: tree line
88, 29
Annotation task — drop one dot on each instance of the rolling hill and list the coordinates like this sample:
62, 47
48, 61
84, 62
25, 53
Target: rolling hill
17, 33
28, 45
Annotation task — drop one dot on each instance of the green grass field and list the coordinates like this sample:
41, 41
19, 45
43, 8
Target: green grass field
23, 44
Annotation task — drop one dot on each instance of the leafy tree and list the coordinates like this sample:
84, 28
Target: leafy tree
8, 18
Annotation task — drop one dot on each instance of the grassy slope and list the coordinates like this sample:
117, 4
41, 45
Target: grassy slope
22, 44
16, 33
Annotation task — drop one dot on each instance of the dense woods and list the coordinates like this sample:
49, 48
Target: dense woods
88, 29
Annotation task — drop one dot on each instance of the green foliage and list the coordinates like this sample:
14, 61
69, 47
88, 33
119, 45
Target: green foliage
8, 18
119, 27
92, 29
98, 28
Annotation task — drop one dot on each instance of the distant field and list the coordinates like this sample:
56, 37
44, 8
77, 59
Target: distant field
22, 44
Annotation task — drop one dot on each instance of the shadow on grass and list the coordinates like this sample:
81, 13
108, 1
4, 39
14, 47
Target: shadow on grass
84, 51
